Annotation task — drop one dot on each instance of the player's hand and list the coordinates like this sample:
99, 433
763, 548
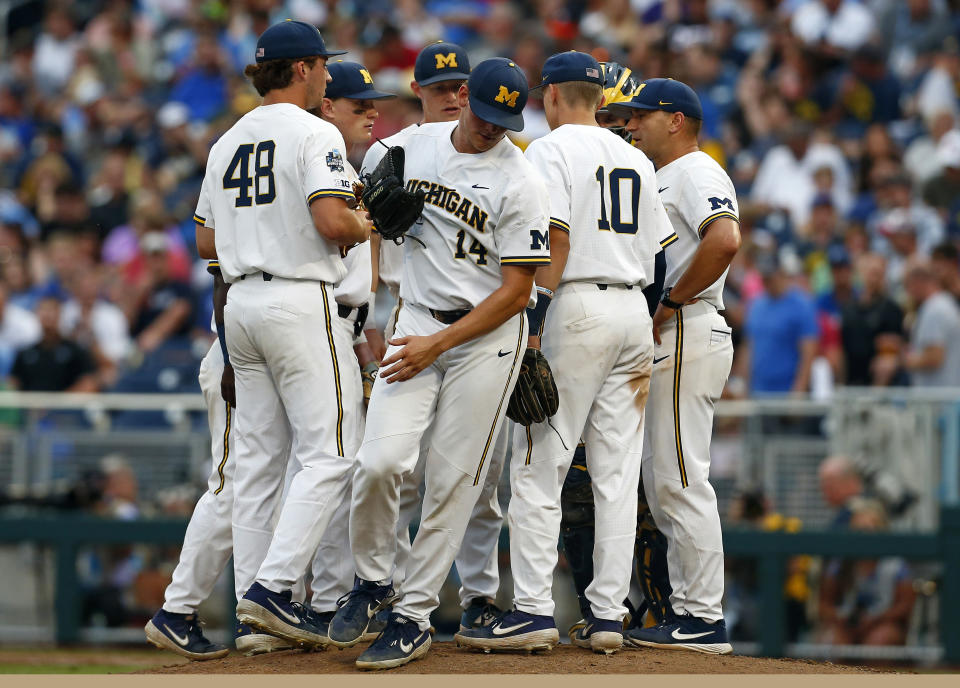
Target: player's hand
417, 354
378, 347
227, 388
662, 315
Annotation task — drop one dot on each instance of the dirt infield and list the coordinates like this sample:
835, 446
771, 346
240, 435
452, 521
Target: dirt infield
445, 658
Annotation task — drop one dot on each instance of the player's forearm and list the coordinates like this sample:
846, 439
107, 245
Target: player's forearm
549, 275
206, 242
507, 301
375, 263
337, 223
714, 254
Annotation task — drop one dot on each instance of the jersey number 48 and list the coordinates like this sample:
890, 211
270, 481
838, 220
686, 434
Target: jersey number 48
238, 176
618, 177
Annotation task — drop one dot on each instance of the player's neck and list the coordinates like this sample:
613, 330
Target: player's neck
291, 94
675, 154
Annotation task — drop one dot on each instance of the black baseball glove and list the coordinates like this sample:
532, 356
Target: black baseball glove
535, 397
392, 207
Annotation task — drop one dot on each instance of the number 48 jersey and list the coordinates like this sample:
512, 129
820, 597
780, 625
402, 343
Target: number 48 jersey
261, 176
603, 192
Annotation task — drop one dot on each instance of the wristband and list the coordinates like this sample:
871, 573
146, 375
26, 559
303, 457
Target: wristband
222, 337
666, 301
537, 314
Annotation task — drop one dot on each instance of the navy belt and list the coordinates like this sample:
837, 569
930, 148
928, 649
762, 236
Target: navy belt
449, 317
603, 287
362, 312
266, 276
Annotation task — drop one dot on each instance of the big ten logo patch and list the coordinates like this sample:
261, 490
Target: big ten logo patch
448, 60
507, 96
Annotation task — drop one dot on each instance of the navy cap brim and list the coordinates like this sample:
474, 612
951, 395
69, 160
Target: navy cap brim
333, 53
626, 107
493, 115
446, 76
370, 94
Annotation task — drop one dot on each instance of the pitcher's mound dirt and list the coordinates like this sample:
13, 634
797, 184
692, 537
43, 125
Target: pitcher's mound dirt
445, 658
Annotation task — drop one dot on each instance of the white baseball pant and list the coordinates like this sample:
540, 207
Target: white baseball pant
461, 399
208, 542
599, 344
297, 385
693, 362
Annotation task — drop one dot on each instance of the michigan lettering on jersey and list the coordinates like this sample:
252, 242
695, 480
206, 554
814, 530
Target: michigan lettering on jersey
452, 201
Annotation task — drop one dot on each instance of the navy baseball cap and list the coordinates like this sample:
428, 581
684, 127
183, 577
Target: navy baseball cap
441, 61
498, 93
292, 39
662, 94
352, 80
570, 66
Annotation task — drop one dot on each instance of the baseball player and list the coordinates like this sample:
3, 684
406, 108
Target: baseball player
650, 585
606, 226
208, 542
467, 275
276, 197
441, 68
350, 105
694, 352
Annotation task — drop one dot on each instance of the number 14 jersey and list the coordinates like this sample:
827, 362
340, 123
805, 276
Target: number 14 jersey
603, 192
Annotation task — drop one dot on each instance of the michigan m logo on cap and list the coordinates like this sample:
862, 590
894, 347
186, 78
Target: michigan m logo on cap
448, 60
508, 97
367, 79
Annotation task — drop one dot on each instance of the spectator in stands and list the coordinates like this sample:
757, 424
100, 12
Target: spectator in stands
898, 206
204, 86
942, 191
95, 323
781, 333
945, 263
921, 158
872, 329
866, 602
897, 240
19, 329
54, 364
163, 305
833, 26
840, 482
56, 49
933, 356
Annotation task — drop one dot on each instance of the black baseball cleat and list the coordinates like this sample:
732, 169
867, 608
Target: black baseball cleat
181, 633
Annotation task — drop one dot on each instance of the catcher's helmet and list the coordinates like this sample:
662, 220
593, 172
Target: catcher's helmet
619, 86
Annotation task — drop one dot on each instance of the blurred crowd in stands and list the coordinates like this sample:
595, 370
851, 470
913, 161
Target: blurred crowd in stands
837, 120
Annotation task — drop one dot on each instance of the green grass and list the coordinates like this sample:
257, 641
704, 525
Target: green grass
70, 668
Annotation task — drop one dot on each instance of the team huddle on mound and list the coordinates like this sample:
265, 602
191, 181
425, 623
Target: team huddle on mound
562, 301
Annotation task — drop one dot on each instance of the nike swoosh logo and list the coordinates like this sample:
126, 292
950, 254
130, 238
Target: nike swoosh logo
662, 103
501, 354
407, 647
677, 635
503, 630
657, 360
371, 611
292, 618
183, 641
663, 189
477, 186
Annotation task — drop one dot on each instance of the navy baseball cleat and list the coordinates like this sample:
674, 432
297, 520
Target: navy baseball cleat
377, 624
181, 633
400, 642
513, 630
599, 635
684, 633
275, 613
251, 643
479, 613
356, 610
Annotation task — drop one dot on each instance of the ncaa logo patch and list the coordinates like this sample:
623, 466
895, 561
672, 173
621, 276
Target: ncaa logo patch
335, 160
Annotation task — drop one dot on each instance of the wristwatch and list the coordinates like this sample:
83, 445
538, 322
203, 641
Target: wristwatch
665, 300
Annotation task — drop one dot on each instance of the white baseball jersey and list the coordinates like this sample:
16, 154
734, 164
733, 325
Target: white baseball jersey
354, 290
391, 254
603, 193
482, 211
695, 191
253, 183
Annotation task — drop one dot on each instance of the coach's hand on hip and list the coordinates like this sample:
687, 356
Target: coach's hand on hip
417, 354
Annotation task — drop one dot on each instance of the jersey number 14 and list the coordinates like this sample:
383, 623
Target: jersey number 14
263, 182
618, 177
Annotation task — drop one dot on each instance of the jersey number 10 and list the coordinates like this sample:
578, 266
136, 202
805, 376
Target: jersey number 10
617, 177
238, 176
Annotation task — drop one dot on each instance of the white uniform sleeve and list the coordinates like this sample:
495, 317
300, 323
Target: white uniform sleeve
547, 159
666, 234
327, 173
203, 215
523, 229
707, 195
